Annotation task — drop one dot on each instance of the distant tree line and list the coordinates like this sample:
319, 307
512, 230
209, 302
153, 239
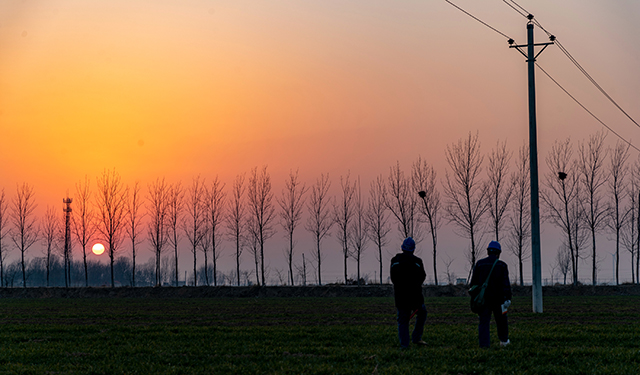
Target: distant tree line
587, 194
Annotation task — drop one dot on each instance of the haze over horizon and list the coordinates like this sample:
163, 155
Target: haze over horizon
173, 89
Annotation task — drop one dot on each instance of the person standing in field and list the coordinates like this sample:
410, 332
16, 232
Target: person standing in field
407, 276
497, 295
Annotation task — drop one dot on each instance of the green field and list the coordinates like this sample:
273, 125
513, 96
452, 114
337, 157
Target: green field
575, 335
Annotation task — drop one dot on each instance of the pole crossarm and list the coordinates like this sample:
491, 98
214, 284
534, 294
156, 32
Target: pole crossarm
519, 49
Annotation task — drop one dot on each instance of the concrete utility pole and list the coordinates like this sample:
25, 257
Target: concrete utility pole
536, 263
67, 240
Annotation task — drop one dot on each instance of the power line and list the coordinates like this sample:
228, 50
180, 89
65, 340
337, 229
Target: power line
478, 19
585, 108
593, 81
516, 4
516, 9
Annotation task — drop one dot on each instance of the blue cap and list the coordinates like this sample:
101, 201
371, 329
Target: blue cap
409, 244
494, 245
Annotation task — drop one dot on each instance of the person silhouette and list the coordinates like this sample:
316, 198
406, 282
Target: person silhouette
497, 295
407, 276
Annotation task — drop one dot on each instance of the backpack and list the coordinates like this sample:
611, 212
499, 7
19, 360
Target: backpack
477, 293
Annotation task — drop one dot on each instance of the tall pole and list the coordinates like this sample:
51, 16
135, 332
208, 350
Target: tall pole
67, 240
536, 263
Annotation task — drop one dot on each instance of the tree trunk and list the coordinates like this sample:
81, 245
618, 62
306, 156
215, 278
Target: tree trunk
206, 268
593, 256
48, 263
319, 263
380, 255
291, 257
195, 271
113, 284
84, 259
133, 261
346, 278
24, 274
521, 276
435, 271
175, 251
262, 258
358, 261
238, 259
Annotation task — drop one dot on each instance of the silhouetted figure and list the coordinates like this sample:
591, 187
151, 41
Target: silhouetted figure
497, 294
407, 276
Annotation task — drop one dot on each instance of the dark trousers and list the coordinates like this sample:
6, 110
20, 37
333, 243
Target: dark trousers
403, 325
483, 326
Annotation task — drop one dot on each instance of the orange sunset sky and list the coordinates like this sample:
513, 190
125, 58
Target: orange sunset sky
179, 88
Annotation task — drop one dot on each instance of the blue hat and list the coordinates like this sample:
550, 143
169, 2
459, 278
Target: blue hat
409, 244
495, 246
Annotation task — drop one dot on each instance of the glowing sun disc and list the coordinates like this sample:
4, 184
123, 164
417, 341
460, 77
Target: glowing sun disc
98, 249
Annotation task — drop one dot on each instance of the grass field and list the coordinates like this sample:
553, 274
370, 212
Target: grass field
575, 335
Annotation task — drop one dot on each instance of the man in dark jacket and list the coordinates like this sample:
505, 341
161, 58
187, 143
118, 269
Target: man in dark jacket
407, 276
497, 294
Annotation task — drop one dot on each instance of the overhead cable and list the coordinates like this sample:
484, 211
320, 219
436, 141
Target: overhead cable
585, 108
478, 19
516, 9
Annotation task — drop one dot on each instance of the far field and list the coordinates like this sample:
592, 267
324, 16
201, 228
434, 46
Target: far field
575, 335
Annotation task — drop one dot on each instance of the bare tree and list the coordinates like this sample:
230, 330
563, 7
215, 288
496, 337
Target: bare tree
618, 172
50, 236
215, 207
262, 210
319, 222
302, 271
451, 276
84, 221
519, 230
111, 203
500, 187
424, 182
402, 203
194, 219
134, 224
4, 231
466, 193
291, 204
563, 260
158, 212
236, 224
377, 219
628, 231
342, 216
25, 224
593, 177
358, 231
175, 197
560, 195
635, 192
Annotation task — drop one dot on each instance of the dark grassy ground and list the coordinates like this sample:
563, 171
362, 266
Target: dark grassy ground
575, 335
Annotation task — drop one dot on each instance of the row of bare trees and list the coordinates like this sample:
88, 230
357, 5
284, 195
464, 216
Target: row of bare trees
484, 197
595, 192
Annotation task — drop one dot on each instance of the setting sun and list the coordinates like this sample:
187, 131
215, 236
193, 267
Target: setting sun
98, 249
